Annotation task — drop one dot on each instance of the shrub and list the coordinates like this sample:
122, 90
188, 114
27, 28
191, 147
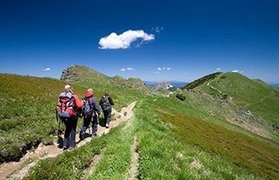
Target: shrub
180, 97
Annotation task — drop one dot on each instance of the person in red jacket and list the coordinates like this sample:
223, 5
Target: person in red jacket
91, 111
67, 107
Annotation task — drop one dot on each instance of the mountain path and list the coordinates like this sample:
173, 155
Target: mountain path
18, 170
133, 171
209, 84
261, 100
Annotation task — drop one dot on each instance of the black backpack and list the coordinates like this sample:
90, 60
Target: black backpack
105, 104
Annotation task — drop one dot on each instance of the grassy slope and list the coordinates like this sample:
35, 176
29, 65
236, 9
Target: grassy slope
167, 150
258, 156
27, 112
164, 156
171, 144
249, 93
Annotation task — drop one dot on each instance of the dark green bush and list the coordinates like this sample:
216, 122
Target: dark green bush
180, 97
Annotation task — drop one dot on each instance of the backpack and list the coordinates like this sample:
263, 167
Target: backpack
105, 104
65, 106
88, 106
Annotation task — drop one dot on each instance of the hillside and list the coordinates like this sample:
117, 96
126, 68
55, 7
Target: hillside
83, 74
192, 137
245, 102
27, 113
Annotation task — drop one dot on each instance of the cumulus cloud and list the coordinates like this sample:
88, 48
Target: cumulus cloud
124, 40
236, 71
127, 69
218, 69
47, 69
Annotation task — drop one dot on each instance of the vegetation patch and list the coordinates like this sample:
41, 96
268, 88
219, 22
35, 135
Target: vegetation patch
162, 155
260, 158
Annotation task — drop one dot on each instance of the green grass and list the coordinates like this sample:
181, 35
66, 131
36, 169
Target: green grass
248, 93
116, 158
164, 156
259, 158
114, 148
71, 165
27, 106
27, 117
176, 140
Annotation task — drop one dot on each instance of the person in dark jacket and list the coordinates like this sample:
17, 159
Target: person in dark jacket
91, 112
67, 107
106, 103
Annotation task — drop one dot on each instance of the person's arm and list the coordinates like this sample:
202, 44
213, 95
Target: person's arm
78, 102
96, 106
110, 101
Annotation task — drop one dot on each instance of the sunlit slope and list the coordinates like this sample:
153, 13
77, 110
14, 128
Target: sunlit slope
27, 115
254, 95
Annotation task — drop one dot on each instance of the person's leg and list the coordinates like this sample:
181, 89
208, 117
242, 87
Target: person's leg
73, 123
86, 123
109, 116
106, 118
66, 134
94, 125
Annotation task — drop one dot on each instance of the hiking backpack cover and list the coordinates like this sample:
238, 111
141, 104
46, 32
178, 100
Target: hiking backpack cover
65, 106
88, 106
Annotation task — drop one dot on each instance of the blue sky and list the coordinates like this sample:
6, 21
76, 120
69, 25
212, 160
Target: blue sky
179, 40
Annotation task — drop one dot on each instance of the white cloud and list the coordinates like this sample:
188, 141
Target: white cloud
185, 73
157, 72
127, 69
124, 40
47, 69
236, 71
157, 29
218, 69
130, 69
164, 68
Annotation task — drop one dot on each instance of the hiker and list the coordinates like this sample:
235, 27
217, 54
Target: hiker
91, 111
67, 108
106, 103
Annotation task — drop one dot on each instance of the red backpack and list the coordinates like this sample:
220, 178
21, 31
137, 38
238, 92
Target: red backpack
65, 106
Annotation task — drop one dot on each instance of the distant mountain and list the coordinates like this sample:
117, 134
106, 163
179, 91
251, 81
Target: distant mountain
83, 74
276, 85
169, 84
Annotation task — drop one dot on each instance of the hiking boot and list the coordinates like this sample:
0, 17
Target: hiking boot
81, 136
65, 148
95, 134
71, 148
107, 125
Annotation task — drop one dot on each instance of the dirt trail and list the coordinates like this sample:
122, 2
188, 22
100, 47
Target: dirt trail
261, 100
209, 84
133, 171
18, 170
